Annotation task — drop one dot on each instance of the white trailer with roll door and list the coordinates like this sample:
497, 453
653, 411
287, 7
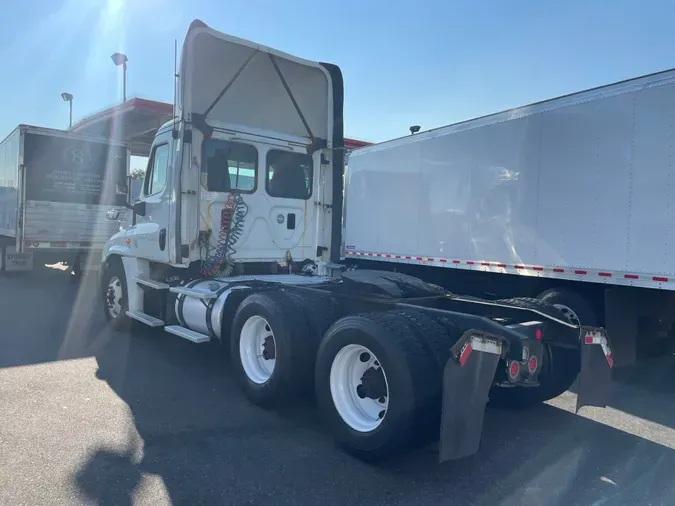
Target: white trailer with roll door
55, 190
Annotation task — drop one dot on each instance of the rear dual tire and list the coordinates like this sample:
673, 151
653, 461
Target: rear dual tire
273, 345
374, 419
377, 377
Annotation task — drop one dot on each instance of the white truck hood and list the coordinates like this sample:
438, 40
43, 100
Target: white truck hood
235, 81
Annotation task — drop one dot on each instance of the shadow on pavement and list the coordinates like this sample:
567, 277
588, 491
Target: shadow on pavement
55, 308
210, 446
193, 432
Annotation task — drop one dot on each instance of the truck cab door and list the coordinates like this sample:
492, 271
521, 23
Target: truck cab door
150, 233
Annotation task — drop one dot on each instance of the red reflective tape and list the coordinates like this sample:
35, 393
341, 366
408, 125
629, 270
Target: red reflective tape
519, 266
580, 272
387, 255
486, 264
610, 361
456, 262
537, 268
588, 339
408, 258
370, 254
464, 356
378, 254
430, 259
502, 265
418, 258
658, 278
631, 276
442, 260
470, 263
605, 274
558, 270
397, 256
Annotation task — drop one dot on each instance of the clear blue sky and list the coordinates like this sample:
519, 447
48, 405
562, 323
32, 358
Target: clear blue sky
427, 62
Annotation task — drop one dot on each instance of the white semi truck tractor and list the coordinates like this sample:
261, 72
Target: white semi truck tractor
237, 238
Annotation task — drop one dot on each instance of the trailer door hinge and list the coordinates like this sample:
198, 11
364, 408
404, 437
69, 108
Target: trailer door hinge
189, 192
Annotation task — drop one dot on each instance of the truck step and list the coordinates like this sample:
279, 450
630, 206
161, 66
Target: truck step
191, 292
188, 334
157, 285
150, 321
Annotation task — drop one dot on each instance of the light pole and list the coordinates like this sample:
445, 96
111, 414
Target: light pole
121, 59
67, 97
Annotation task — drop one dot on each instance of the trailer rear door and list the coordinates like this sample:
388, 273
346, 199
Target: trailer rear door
70, 184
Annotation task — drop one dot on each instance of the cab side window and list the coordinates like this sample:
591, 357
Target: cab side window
289, 175
155, 179
229, 166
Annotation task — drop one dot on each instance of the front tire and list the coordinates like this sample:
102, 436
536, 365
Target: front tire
374, 385
114, 295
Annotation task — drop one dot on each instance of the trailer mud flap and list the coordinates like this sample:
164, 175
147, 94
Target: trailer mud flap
595, 378
467, 380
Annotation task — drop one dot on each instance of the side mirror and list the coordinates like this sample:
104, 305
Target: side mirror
139, 208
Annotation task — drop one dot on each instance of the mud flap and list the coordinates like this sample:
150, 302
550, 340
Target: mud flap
595, 378
467, 380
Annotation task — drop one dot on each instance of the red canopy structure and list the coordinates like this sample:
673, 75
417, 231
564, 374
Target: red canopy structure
137, 120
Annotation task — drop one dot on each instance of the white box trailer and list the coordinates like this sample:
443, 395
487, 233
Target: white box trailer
574, 193
55, 190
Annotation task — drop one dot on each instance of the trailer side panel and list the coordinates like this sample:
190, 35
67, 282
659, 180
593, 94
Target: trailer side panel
9, 184
577, 188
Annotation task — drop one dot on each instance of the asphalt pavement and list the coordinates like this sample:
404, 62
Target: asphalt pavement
88, 416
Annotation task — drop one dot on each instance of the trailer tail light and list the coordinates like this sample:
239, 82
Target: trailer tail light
514, 370
538, 334
532, 364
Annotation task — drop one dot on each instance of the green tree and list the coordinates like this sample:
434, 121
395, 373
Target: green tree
137, 174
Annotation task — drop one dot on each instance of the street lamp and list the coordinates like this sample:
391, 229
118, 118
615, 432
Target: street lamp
121, 59
67, 97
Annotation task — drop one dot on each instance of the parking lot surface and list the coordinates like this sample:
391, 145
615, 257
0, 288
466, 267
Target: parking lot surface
88, 416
